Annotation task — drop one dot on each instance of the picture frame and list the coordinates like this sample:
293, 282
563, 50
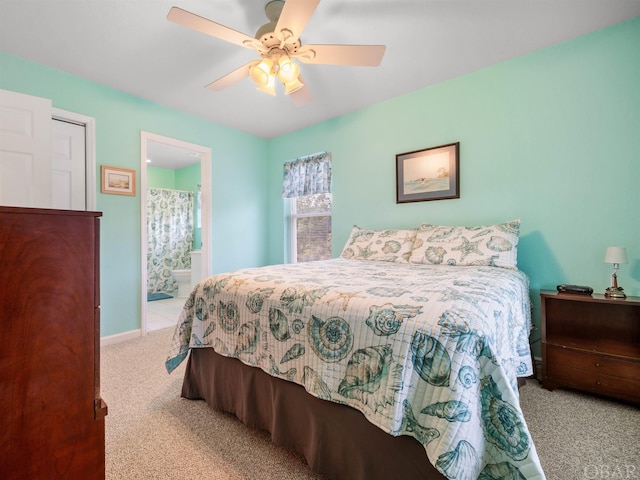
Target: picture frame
429, 174
118, 181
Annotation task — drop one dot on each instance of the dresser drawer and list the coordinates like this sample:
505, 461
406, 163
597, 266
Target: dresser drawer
559, 358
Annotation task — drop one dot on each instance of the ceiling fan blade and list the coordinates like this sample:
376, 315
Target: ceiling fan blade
302, 96
356, 55
231, 78
294, 17
204, 25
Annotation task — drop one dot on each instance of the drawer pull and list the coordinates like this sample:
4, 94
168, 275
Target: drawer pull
597, 364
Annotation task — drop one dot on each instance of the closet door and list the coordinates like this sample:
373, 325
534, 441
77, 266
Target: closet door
68, 165
25, 150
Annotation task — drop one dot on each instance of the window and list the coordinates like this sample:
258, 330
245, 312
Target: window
307, 185
310, 228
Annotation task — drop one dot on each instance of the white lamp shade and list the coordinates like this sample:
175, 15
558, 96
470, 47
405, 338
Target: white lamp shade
270, 87
260, 72
293, 86
616, 255
288, 71
263, 76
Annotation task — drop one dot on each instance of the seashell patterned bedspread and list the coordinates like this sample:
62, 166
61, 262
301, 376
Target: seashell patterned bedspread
428, 351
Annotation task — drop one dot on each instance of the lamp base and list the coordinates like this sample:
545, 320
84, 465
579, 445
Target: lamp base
615, 292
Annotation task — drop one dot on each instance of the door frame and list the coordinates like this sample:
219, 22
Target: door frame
89, 124
205, 179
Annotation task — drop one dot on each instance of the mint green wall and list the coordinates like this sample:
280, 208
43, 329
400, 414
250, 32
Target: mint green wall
238, 171
160, 177
551, 137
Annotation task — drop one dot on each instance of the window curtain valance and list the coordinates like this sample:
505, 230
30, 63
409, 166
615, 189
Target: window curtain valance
307, 176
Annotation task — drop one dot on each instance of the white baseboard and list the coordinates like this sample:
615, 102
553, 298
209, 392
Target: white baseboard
120, 337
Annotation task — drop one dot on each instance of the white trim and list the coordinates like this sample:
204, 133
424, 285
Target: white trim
120, 337
293, 232
89, 124
205, 181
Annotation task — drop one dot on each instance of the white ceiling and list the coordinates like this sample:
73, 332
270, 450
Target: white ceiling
162, 155
130, 46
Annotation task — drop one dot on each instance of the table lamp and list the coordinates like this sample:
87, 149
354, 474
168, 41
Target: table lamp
616, 256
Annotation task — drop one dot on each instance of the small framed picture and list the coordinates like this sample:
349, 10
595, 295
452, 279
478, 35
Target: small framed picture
428, 174
118, 181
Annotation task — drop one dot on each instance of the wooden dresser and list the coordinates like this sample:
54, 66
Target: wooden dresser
591, 343
51, 412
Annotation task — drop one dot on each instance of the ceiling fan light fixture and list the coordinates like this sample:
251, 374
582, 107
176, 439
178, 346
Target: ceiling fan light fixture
261, 72
263, 76
288, 73
270, 88
278, 42
292, 86
288, 70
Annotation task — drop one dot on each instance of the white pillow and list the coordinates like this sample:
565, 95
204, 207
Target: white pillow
492, 245
380, 245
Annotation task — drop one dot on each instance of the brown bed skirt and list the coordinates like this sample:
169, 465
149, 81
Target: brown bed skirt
336, 440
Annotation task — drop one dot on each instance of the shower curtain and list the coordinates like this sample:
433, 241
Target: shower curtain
169, 236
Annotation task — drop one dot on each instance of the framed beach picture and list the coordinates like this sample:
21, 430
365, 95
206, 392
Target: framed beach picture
428, 174
118, 181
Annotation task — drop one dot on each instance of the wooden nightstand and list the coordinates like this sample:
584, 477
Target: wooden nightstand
591, 343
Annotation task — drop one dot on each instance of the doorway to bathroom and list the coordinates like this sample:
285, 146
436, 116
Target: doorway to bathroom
175, 186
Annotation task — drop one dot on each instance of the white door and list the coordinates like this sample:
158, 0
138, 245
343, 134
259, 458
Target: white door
25, 150
68, 165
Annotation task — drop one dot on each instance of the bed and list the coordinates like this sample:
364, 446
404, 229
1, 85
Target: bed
399, 359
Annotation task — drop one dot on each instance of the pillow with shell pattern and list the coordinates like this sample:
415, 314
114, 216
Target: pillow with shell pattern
381, 245
491, 245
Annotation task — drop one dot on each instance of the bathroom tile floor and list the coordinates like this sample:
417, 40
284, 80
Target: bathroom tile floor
163, 313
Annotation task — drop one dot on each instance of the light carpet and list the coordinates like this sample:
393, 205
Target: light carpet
153, 433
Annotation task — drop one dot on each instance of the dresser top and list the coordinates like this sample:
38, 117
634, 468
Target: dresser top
47, 211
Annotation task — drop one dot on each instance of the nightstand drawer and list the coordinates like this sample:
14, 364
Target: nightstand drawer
617, 387
559, 358
592, 373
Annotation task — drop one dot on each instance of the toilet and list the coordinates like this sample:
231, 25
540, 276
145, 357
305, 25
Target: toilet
187, 279
196, 267
183, 277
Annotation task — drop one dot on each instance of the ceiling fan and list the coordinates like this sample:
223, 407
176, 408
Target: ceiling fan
278, 42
